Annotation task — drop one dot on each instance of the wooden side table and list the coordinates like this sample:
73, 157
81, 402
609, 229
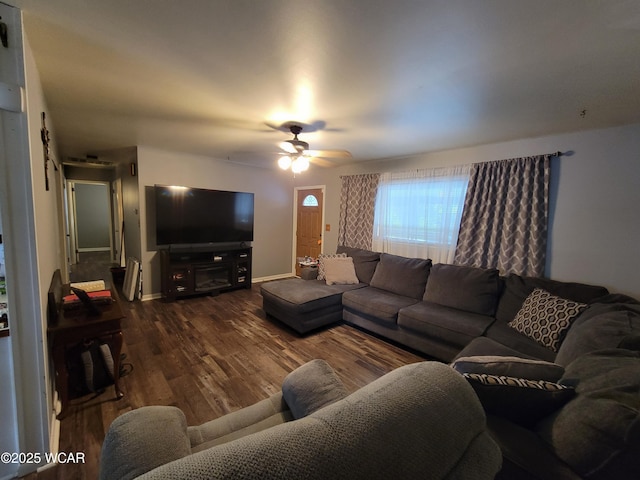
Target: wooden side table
77, 326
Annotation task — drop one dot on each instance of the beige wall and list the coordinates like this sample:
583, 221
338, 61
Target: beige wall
594, 218
273, 197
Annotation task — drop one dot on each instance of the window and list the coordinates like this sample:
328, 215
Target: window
310, 201
418, 213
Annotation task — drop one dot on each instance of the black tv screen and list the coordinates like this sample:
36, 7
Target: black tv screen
195, 215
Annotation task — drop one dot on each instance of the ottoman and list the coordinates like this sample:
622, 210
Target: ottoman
304, 305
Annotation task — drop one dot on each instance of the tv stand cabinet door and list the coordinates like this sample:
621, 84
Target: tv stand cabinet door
180, 281
176, 277
242, 269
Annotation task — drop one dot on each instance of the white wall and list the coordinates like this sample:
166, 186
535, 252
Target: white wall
273, 219
595, 192
33, 251
11, 72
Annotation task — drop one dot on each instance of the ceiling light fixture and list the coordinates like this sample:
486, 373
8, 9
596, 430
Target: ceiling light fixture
297, 163
296, 160
300, 164
284, 162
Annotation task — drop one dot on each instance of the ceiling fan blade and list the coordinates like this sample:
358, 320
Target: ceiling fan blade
321, 162
329, 153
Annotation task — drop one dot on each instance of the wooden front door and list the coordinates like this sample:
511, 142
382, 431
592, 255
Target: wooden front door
308, 224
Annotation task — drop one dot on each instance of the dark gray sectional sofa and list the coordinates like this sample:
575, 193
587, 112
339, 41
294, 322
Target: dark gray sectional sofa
584, 422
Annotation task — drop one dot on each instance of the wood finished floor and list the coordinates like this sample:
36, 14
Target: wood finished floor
210, 356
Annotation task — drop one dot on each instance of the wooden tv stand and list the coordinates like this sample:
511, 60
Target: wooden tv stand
194, 271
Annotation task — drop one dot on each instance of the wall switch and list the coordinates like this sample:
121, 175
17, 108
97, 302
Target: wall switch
327, 227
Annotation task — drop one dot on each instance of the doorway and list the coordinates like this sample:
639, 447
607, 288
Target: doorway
309, 218
90, 221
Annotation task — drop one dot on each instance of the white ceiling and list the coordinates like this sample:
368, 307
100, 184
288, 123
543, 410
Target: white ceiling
387, 78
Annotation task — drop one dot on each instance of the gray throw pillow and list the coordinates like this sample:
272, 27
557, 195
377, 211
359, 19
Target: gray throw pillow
310, 387
401, 275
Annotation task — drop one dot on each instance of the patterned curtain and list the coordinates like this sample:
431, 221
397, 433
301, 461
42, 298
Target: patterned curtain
357, 203
504, 221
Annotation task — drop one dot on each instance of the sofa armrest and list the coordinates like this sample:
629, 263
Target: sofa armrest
524, 453
143, 439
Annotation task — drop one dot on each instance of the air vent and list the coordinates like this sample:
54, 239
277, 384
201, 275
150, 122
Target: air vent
88, 161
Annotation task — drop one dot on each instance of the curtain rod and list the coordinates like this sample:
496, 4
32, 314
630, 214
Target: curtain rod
554, 154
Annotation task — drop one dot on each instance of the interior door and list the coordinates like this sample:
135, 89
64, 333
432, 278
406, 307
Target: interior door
92, 222
309, 205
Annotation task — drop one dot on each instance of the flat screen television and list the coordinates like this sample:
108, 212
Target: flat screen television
197, 216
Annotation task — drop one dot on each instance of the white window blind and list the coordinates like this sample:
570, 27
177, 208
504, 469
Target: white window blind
417, 214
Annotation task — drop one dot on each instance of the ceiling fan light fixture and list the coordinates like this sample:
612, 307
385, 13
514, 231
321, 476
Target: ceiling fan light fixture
300, 164
288, 147
284, 162
294, 146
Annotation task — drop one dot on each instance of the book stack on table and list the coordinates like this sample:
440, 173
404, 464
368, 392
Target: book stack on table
95, 289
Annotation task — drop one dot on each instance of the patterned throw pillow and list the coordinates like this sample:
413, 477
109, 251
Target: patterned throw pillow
321, 258
546, 318
504, 381
522, 401
526, 368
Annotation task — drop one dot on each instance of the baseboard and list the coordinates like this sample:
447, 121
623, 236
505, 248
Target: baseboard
272, 277
151, 296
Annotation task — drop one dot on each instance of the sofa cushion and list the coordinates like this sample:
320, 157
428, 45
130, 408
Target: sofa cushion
602, 326
502, 333
312, 386
518, 288
404, 276
483, 346
302, 296
520, 400
449, 325
364, 261
598, 432
546, 318
465, 288
510, 367
376, 303
340, 271
321, 258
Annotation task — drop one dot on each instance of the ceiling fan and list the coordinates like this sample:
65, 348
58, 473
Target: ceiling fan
297, 154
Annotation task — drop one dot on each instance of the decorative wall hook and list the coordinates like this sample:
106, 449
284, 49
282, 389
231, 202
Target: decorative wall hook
44, 135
